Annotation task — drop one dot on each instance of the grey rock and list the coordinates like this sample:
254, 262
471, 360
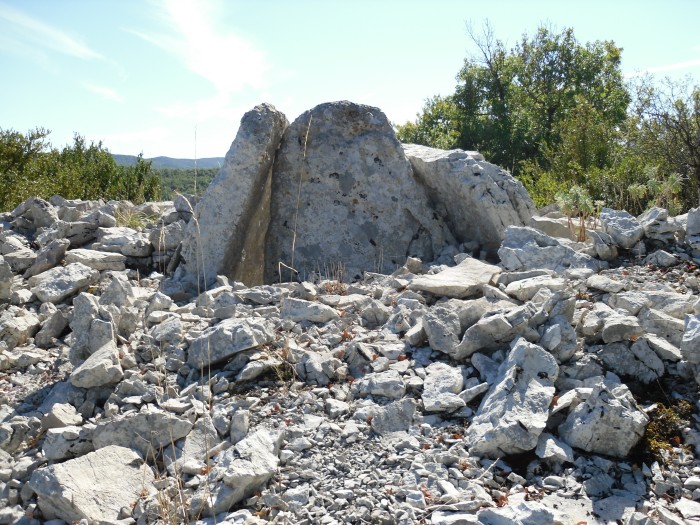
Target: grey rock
394, 417
620, 328
51, 328
605, 284
167, 237
146, 432
661, 258
524, 513
552, 227
461, 281
60, 283
608, 422
94, 487
37, 211
625, 230
67, 442
20, 260
233, 215
101, 368
192, 454
440, 388
387, 384
559, 337
480, 198
5, 279
690, 343
77, 233
301, 310
529, 249
17, 326
97, 260
61, 415
514, 413
525, 289
552, 450
359, 202
123, 240
638, 360
227, 338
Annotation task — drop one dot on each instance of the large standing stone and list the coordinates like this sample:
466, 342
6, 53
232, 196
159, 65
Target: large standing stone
94, 487
344, 194
227, 234
514, 413
481, 199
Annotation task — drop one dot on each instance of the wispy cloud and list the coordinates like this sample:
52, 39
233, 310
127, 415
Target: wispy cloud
106, 92
226, 60
665, 69
28, 31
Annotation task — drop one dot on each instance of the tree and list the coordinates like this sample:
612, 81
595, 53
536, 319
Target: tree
513, 104
669, 127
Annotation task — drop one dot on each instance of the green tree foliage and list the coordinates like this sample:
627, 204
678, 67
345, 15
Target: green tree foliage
558, 115
175, 180
513, 104
29, 166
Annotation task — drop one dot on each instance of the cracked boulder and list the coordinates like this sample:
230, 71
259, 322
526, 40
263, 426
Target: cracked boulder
514, 412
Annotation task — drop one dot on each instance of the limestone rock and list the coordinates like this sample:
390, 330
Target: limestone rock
625, 230
461, 281
344, 193
101, 368
123, 240
228, 234
227, 338
301, 310
145, 432
514, 412
440, 388
608, 422
97, 260
17, 325
480, 198
94, 487
528, 249
59, 283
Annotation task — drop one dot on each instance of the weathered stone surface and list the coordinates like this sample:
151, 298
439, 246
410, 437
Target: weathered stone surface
5, 280
552, 227
57, 284
61, 415
48, 257
440, 388
690, 343
94, 487
637, 360
344, 193
625, 230
394, 417
192, 454
386, 384
244, 469
37, 211
97, 260
607, 422
228, 338
16, 326
101, 368
461, 281
301, 310
620, 328
525, 289
514, 412
529, 249
123, 240
146, 432
231, 220
481, 199
604, 284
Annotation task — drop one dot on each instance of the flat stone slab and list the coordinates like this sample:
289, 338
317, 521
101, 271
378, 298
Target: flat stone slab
97, 260
461, 281
57, 284
95, 486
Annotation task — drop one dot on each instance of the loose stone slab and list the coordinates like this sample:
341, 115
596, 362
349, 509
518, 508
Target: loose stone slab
461, 281
228, 338
57, 284
94, 487
97, 260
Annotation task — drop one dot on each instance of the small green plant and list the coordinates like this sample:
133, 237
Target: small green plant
663, 431
576, 203
130, 218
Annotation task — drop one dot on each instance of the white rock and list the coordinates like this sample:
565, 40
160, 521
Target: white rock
625, 230
301, 310
608, 422
605, 284
552, 450
481, 199
461, 281
96, 259
122, 240
59, 283
440, 388
94, 487
525, 289
227, 338
101, 368
514, 413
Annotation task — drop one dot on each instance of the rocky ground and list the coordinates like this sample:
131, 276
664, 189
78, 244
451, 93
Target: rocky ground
558, 386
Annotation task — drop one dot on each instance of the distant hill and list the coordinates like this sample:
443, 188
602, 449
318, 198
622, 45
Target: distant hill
168, 162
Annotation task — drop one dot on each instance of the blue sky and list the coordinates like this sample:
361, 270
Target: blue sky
142, 76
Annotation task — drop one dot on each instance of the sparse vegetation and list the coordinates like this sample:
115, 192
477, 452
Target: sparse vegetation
663, 432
